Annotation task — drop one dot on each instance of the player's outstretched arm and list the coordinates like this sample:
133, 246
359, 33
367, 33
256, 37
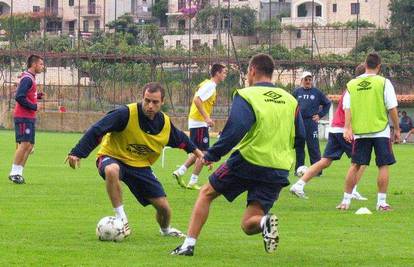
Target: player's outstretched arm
73, 161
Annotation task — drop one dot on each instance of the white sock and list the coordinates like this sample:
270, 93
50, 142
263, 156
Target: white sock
165, 230
262, 222
16, 170
347, 198
382, 197
189, 241
182, 170
193, 179
300, 184
120, 213
354, 190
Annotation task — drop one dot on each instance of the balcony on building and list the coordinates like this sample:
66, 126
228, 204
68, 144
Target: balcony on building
302, 13
143, 13
88, 10
52, 11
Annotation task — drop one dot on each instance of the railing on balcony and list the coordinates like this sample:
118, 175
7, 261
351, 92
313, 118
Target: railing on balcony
304, 21
52, 11
88, 11
142, 14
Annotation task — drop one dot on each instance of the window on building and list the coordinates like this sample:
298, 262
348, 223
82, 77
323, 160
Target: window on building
85, 26
226, 23
215, 43
71, 27
318, 11
196, 44
36, 9
299, 34
302, 12
177, 43
71, 2
181, 4
354, 8
91, 6
334, 8
1, 10
97, 25
181, 24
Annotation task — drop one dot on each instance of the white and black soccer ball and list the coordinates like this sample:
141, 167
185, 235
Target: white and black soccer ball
110, 228
301, 170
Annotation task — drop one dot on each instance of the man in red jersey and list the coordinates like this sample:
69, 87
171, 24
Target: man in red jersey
25, 116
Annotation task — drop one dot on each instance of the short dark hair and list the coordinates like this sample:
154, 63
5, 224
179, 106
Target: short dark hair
217, 67
263, 63
154, 87
373, 60
359, 70
33, 59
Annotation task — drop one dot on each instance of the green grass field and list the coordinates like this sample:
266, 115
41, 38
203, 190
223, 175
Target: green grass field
50, 221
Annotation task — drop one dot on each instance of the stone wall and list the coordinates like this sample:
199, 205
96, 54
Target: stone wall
78, 122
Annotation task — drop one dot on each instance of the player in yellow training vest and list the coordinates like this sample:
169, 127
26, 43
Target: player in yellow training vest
369, 99
133, 137
264, 125
199, 121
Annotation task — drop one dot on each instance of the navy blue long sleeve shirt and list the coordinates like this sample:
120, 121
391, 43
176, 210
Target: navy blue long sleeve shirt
116, 121
241, 119
24, 86
312, 102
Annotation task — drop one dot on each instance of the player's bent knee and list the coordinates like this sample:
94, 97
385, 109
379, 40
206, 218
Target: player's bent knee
247, 228
326, 163
207, 191
112, 172
26, 146
161, 204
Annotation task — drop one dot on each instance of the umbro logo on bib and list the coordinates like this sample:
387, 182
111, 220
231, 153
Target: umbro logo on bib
272, 97
139, 149
364, 85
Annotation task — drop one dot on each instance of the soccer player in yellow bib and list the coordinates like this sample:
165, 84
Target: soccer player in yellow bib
133, 137
264, 125
367, 102
199, 121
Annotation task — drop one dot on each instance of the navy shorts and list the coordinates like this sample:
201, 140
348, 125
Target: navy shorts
225, 182
362, 149
200, 138
337, 146
141, 181
25, 130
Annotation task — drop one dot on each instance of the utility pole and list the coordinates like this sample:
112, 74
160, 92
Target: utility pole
189, 56
357, 24
270, 25
104, 16
219, 22
77, 54
10, 46
313, 33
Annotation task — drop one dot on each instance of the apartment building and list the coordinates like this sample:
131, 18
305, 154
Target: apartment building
326, 12
177, 19
19, 6
92, 15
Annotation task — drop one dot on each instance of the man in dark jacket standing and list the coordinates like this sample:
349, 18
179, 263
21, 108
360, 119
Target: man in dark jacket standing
313, 106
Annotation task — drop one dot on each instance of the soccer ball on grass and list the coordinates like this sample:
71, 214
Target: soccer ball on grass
301, 170
110, 229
